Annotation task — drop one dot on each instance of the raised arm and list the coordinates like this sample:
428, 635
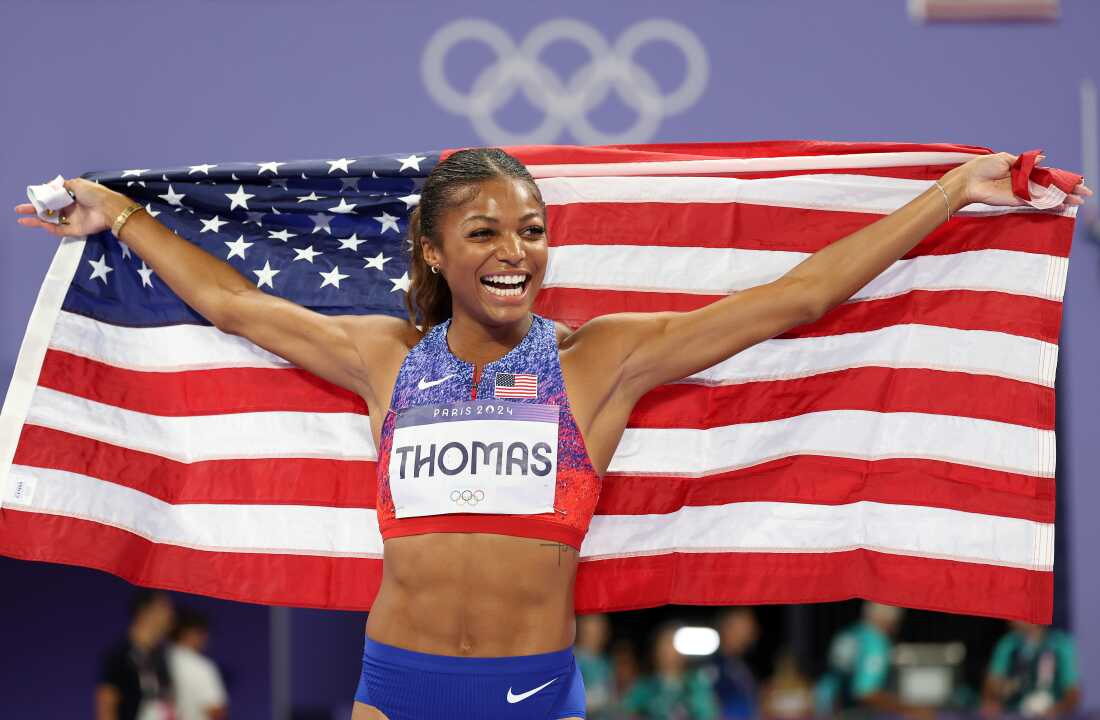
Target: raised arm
344, 350
649, 349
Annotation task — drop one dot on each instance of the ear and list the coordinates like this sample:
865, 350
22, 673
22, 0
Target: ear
431, 254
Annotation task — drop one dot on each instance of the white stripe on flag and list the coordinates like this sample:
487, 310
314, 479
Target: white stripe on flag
846, 193
716, 271
797, 527
980, 352
338, 435
673, 451
736, 527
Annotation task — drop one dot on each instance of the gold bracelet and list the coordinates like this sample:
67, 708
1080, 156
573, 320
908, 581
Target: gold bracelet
945, 200
116, 228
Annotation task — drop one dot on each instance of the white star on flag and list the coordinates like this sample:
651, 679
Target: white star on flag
239, 198
411, 162
283, 235
410, 200
342, 163
172, 197
352, 243
146, 275
125, 249
100, 269
307, 254
149, 209
333, 277
266, 275
312, 196
388, 221
272, 166
214, 224
401, 283
237, 247
376, 262
133, 173
320, 222
204, 168
344, 207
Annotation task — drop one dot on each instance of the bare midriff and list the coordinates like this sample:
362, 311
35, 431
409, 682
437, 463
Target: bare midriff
475, 594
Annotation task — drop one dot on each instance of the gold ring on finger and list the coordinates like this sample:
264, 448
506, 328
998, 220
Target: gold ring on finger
63, 220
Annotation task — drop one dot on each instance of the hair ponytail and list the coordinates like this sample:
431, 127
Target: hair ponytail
428, 300
428, 291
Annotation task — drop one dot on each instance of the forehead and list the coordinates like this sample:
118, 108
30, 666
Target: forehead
500, 197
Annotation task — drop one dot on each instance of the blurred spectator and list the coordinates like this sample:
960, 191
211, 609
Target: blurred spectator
624, 665
732, 679
788, 694
674, 691
133, 680
199, 692
856, 683
590, 651
1033, 673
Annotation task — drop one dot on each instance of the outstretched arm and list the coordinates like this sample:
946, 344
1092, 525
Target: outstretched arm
341, 349
651, 349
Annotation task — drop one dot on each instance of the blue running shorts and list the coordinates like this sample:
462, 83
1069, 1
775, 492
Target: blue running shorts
409, 685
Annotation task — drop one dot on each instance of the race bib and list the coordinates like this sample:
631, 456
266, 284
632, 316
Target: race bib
481, 456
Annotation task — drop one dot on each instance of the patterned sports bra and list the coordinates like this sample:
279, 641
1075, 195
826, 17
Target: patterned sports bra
503, 456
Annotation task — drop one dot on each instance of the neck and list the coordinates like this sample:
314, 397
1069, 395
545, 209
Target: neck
475, 343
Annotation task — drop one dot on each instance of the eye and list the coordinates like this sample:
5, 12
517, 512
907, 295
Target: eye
481, 233
536, 230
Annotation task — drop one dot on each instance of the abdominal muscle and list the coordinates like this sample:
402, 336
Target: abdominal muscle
475, 594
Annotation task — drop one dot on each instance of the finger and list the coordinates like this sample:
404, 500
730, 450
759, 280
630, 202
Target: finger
24, 208
1082, 189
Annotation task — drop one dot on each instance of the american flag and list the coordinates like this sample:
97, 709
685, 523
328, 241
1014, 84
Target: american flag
515, 385
901, 448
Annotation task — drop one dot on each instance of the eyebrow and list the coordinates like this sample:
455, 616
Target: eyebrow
487, 218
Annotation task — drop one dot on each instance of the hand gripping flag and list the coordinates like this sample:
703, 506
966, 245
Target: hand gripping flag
901, 448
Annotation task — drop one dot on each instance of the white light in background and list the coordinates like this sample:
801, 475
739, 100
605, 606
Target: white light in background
695, 641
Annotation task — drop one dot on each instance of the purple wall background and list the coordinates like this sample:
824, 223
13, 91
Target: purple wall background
133, 84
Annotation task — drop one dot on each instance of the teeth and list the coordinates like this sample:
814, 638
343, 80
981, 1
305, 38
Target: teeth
506, 279
504, 293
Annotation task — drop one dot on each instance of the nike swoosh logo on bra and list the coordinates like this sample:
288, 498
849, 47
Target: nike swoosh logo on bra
425, 384
517, 698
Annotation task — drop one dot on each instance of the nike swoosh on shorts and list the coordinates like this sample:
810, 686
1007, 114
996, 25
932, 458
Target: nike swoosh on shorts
523, 696
425, 384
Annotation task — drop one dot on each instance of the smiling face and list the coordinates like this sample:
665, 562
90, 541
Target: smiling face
492, 251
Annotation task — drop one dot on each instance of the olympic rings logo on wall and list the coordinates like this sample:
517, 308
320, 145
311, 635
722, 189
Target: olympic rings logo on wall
565, 103
467, 497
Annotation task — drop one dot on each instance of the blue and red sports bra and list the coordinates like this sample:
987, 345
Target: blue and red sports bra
500, 456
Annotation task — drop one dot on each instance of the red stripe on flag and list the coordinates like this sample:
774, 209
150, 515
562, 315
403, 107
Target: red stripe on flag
676, 405
763, 227
811, 479
756, 578
196, 392
995, 311
618, 584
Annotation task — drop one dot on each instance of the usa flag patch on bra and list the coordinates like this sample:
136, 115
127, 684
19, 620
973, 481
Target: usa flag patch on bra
515, 385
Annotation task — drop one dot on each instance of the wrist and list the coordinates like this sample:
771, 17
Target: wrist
956, 184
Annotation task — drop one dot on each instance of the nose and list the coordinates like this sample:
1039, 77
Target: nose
510, 249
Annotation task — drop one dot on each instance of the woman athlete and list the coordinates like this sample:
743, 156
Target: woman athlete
474, 617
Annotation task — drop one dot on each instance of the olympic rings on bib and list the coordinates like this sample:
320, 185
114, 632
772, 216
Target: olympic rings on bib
565, 103
467, 497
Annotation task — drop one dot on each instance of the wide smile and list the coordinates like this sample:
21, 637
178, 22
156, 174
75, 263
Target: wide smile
506, 287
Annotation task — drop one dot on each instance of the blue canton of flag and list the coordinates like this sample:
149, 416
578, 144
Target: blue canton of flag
329, 235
